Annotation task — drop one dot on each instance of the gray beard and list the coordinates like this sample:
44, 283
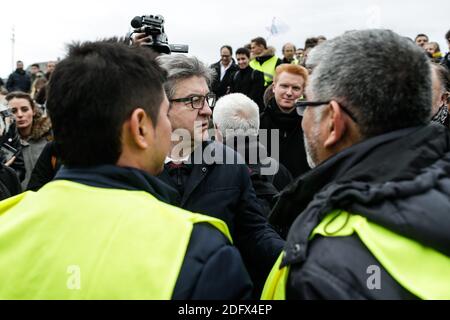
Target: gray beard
311, 149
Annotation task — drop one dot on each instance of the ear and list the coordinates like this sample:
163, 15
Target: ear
336, 125
141, 129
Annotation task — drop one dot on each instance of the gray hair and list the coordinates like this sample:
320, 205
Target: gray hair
380, 76
236, 114
180, 67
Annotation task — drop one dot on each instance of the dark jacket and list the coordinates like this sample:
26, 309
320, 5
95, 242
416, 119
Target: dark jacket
9, 183
12, 138
251, 83
446, 61
400, 181
268, 176
291, 147
212, 268
221, 88
19, 80
45, 168
225, 191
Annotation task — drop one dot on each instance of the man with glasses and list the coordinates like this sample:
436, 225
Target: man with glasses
225, 70
206, 175
371, 220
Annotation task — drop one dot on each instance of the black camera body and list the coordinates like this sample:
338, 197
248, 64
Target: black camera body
153, 26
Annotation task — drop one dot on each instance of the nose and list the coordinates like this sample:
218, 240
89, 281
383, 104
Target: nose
206, 110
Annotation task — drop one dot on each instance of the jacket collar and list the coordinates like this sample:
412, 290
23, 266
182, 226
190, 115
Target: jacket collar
114, 177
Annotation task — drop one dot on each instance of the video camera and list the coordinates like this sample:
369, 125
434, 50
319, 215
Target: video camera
154, 26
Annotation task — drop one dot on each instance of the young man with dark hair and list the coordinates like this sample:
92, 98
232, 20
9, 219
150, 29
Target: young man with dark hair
106, 230
248, 80
19, 80
421, 39
264, 60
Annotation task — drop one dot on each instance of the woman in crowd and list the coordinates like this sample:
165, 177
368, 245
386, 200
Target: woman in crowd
34, 129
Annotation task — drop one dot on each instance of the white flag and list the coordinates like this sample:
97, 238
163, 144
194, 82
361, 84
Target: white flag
277, 27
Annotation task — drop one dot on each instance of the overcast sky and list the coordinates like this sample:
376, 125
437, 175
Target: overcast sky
43, 27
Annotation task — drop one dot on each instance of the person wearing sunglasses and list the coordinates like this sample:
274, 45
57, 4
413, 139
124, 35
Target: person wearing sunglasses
371, 219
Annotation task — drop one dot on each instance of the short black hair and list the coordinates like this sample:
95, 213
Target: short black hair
260, 41
421, 35
227, 47
243, 51
311, 42
447, 35
35, 65
93, 91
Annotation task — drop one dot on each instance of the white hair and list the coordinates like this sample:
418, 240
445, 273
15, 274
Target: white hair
236, 114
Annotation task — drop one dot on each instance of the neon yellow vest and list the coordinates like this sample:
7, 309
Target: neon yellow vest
419, 269
72, 241
268, 68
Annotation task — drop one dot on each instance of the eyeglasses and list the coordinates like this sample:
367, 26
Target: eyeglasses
301, 106
197, 102
225, 56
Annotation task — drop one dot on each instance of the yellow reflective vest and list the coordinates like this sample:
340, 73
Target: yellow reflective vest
268, 68
72, 241
421, 270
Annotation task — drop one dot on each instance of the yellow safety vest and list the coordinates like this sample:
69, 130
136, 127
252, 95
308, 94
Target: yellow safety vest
268, 68
72, 241
421, 270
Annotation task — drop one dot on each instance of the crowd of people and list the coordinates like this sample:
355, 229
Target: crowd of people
160, 177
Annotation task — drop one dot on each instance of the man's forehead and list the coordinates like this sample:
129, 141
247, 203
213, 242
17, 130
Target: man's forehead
290, 77
289, 47
191, 86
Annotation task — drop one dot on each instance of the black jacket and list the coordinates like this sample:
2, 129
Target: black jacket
225, 191
400, 180
221, 88
251, 83
12, 138
45, 168
9, 183
268, 176
446, 61
291, 147
212, 268
19, 80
